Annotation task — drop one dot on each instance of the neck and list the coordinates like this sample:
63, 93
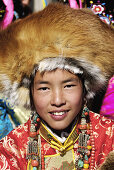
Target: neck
67, 129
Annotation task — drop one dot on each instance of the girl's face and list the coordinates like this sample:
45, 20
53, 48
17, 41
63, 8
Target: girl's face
57, 97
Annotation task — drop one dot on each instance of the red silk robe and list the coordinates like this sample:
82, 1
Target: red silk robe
14, 146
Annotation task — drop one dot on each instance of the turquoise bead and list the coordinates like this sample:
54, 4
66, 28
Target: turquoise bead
34, 168
80, 163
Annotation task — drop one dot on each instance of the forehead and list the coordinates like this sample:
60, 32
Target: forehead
56, 75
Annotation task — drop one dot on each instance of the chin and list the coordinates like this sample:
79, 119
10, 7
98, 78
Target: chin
58, 126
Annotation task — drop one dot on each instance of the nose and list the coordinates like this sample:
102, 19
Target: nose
57, 98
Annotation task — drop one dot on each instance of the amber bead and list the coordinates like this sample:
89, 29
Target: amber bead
89, 147
86, 166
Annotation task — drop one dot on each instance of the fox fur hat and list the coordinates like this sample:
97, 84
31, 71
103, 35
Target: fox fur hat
56, 37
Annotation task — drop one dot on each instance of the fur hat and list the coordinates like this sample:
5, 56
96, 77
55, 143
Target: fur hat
56, 37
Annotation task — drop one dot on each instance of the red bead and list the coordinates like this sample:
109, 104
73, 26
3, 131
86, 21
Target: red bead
93, 148
92, 164
92, 143
83, 127
88, 142
92, 161
92, 158
88, 153
42, 152
37, 132
36, 124
86, 162
38, 120
34, 163
32, 134
92, 139
43, 166
86, 113
92, 152
88, 132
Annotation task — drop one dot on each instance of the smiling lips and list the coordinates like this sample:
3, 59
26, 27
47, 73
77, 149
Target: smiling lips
59, 115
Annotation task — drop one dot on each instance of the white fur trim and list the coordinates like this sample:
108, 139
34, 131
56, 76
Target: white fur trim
50, 64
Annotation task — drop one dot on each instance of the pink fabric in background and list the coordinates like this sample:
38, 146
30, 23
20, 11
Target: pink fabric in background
107, 108
8, 15
74, 4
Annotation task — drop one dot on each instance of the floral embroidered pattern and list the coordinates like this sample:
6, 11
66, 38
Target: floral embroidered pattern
13, 147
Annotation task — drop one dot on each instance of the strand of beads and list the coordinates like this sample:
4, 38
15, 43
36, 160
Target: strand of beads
93, 149
84, 146
32, 150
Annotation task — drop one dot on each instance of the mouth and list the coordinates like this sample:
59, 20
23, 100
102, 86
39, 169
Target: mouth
59, 113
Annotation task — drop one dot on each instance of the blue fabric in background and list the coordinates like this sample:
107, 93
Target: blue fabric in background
7, 118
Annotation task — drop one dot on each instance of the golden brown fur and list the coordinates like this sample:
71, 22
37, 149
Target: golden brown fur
57, 30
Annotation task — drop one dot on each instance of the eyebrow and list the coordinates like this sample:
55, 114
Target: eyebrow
64, 81
70, 80
41, 82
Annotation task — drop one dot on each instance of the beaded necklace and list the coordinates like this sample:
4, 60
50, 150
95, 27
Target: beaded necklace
86, 144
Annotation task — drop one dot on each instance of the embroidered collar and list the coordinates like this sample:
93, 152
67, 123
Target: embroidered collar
55, 143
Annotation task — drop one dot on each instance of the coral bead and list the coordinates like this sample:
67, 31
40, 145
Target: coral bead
92, 161
34, 163
38, 120
92, 139
86, 113
92, 164
83, 127
86, 162
92, 152
43, 166
32, 134
88, 142
88, 153
88, 132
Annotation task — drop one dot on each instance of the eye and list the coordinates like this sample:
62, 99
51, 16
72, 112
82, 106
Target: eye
69, 85
43, 88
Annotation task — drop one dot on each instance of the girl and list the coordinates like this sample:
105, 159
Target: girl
52, 57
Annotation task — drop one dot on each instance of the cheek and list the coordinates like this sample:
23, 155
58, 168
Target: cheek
40, 102
76, 98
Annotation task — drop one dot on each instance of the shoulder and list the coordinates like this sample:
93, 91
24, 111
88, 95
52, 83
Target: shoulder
102, 126
103, 131
101, 120
13, 147
17, 135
